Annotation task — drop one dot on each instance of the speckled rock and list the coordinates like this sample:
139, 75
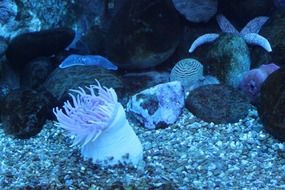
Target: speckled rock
61, 80
24, 112
227, 58
271, 108
141, 38
217, 103
158, 106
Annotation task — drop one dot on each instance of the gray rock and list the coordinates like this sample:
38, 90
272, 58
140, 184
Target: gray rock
227, 59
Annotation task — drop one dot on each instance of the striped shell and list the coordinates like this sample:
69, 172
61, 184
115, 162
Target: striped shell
187, 71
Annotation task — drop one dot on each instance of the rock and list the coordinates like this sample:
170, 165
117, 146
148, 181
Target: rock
138, 81
8, 10
250, 9
274, 31
143, 38
61, 81
217, 103
227, 58
24, 113
271, 108
196, 10
205, 80
28, 46
3, 46
35, 72
158, 106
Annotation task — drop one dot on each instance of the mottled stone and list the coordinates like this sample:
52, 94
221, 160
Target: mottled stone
61, 80
158, 106
217, 103
24, 112
227, 59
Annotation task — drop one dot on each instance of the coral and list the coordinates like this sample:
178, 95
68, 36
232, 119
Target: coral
249, 33
98, 123
187, 71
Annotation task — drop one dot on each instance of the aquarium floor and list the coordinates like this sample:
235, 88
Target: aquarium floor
191, 154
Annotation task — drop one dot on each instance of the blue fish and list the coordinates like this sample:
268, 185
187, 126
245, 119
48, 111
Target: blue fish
87, 60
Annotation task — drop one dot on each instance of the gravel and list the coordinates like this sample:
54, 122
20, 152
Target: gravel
191, 154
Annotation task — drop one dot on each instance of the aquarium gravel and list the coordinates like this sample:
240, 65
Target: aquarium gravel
191, 154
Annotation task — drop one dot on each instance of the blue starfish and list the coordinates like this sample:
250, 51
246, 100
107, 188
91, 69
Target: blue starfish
249, 33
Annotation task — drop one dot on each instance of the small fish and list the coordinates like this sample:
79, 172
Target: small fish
87, 60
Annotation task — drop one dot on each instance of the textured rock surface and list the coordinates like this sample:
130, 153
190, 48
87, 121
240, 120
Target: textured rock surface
217, 103
143, 38
159, 106
271, 108
24, 113
61, 80
227, 58
187, 71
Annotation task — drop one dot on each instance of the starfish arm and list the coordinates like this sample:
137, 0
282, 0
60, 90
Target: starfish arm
256, 39
254, 25
225, 25
206, 38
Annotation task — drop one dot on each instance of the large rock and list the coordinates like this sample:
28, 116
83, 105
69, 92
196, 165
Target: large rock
271, 107
227, 59
274, 31
197, 10
24, 112
61, 81
143, 34
29, 46
158, 106
250, 9
217, 103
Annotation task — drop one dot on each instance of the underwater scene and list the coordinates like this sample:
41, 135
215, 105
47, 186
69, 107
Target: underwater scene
142, 94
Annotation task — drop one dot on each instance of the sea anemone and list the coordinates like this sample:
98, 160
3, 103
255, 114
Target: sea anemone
98, 123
